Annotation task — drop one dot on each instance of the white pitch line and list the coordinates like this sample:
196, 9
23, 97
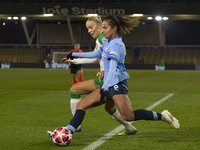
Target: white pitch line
109, 135
160, 101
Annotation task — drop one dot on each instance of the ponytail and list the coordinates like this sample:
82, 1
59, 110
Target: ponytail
124, 24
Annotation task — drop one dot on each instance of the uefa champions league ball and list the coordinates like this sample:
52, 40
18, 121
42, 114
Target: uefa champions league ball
61, 136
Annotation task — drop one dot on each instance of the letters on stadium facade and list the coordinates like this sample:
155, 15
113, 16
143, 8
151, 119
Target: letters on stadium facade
101, 9
58, 10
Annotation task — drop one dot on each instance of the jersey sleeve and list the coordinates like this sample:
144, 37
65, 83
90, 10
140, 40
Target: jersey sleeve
85, 61
115, 52
93, 54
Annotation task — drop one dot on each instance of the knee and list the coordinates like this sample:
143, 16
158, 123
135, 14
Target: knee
74, 88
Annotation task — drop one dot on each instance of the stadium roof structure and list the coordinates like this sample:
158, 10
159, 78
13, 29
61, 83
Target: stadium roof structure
78, 9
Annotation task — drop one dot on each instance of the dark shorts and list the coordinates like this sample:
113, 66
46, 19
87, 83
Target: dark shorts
120, 88
75, 68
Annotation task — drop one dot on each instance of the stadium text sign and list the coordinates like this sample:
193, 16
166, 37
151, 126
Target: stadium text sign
5, 65
58, 65
57, 10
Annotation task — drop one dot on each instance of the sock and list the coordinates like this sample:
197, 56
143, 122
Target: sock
75, 81
117, 116
76, 120
75, 99
80, 78
142, 114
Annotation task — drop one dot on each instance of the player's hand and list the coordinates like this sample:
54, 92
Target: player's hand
100, 75
105, 95
69, 61
63, 59
66, 60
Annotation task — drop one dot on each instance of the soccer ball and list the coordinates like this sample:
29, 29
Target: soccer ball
61, 136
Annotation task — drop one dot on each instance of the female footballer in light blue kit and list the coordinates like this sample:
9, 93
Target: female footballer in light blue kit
93, 24
115, 87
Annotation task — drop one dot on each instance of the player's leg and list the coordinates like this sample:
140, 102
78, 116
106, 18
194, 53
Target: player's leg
112, 110
123, 104
73, 73
91, 100
74, 78
80, 73
84, 87
78, 89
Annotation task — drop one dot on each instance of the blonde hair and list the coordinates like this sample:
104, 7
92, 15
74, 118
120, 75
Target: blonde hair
96, 19
124, 24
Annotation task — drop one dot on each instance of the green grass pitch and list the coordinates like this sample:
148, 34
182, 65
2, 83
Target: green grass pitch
33, 101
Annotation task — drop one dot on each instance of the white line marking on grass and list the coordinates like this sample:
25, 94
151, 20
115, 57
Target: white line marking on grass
160, 101
109, 135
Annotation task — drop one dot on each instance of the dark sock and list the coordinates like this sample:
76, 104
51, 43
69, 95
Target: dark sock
76, 120
142, 114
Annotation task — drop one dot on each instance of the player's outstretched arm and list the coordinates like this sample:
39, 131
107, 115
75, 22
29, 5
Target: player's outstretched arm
85, 61
93, 54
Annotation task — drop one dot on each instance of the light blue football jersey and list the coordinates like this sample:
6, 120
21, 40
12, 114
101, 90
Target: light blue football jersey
114, 49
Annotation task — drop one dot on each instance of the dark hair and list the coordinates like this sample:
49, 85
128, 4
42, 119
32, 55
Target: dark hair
124, 24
